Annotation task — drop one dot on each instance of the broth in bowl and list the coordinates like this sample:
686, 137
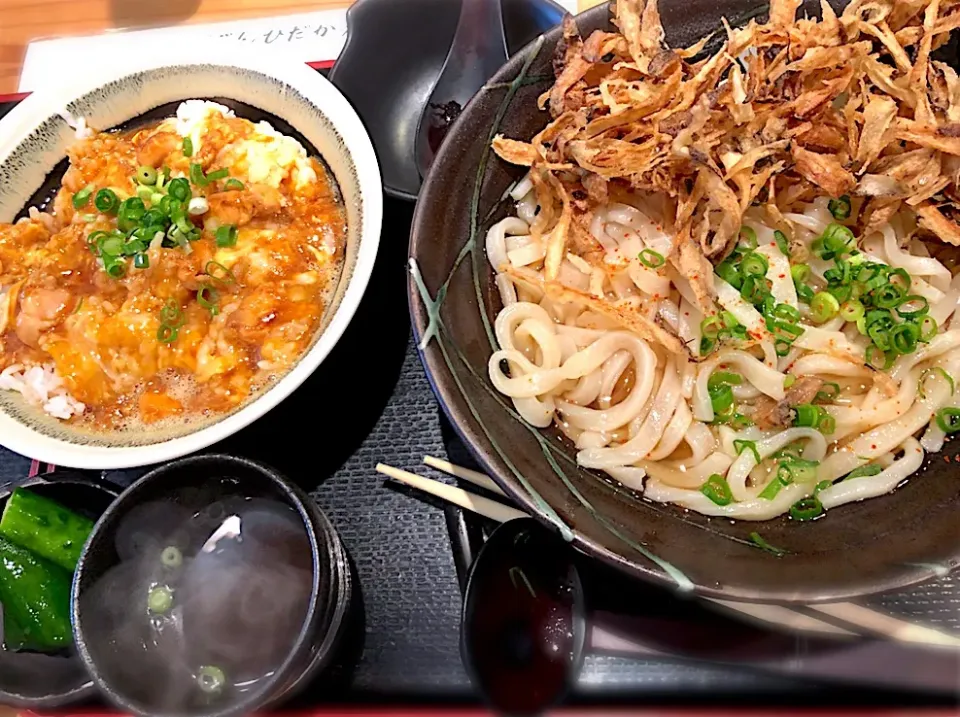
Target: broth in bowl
212, 589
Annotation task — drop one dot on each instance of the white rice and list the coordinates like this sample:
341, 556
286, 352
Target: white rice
40, 386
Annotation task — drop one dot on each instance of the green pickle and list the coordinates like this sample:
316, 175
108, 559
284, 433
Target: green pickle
35, 595
45, 528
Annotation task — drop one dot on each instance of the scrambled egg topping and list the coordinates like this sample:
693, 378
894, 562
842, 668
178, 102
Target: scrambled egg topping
242, 295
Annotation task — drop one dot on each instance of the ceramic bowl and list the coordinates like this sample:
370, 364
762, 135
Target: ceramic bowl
34, 138
880, 544
36, 681
105, 654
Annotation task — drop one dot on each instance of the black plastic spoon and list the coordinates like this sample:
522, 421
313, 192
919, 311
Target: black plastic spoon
523, 627
479, 49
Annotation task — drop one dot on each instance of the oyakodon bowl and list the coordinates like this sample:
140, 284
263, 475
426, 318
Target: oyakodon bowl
128, 532
298, 101
880, 544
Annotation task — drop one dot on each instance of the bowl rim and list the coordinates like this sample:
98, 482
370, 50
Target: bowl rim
294, 496
87, 689
50, 101
446, 396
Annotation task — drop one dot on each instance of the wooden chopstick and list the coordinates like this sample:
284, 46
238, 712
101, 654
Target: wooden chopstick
471, 476
476, 503
853, 619
879, 623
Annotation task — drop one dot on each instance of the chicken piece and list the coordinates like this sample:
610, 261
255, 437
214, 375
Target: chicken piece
778, 414
154, 148
239, 207
40, 311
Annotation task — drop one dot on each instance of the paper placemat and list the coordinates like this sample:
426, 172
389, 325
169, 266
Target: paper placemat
315, 37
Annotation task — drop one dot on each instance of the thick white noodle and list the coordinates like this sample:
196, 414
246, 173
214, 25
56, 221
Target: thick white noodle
646, 417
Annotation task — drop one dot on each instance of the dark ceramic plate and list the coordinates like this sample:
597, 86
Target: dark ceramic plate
880, 544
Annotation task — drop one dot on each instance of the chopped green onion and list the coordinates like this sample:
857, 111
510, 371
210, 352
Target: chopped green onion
211, 680
797, 469
786, 312
179, 189
707, 345
219, 174
904, 338
899, 273
789, 380
824, 307
782, 244
827, 425
226, 235
649, 258
219, 273
111, 245
754, 264
116, 269
719, 379
913, 307
187, 147
926, 374
197, 176
717, 489
758, 540
871, 469
207, 297
755, 289
721, 399
748, 237
799, 272
141, 261
171, 557
711, 326
808, 415
740, 446
851, 310
840, 208
805, 293
727, 271
106, 201
772, 488
875, 356
821, 486
837, 238
130, 212
928, 328
234, 184
83, 196
949, 420
167, 334
782, 347
887, 296
806, 509
171, 314
160, 599
146, 175
828, 395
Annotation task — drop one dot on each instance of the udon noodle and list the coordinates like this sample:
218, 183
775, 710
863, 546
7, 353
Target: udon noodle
646, 417
813, 362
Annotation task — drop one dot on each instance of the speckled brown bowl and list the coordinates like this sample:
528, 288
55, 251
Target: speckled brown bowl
880, 544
